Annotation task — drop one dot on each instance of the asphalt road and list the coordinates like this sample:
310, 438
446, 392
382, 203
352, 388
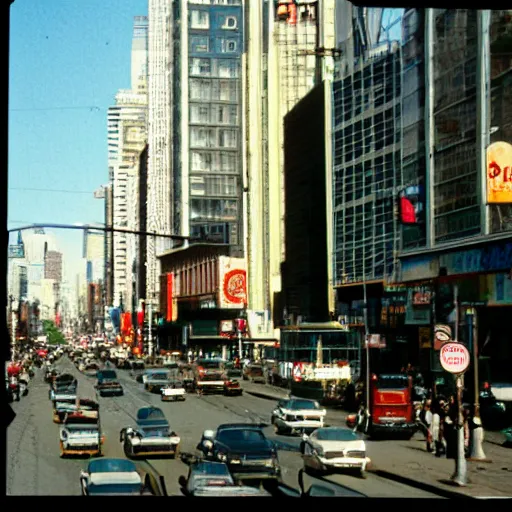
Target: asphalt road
35, 468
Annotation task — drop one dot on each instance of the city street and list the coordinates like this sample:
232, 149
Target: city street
35, 468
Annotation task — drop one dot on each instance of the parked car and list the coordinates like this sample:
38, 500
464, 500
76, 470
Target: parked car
253, 372
232, 371
333, 448
107, 383
244, 448
214, 479
157, 380
151, 435
80, 435
173, 391
297, 415
120, 477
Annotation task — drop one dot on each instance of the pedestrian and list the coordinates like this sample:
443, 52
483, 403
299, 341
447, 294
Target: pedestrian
437, 427
426, 418
450, 428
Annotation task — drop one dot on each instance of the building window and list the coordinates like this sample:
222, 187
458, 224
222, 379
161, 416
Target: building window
197, 186
199, 44
200, 89
199, 19
228, 162
227, 138
213, 209
199, 114
200, 67
230, 23
229, 45
202, 137
228, 68
201, 161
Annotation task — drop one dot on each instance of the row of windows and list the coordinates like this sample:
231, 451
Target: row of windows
214, 90
205, 44
214, 114
215, 68
213, 209
214, 161
224, 186
201, 137
200, 20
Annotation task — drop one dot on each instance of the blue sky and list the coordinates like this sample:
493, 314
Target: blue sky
68, 58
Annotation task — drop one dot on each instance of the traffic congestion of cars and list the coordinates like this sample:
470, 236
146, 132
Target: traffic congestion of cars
232, 459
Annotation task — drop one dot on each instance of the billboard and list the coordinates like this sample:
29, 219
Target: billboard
232, 282
499, 173
16, 251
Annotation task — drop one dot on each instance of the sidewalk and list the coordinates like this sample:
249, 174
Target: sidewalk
410, 463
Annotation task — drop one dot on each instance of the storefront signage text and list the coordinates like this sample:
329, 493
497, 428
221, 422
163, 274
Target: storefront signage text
487, 259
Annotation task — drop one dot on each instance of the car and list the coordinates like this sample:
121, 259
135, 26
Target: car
232, 387
244, 448
209, 375
86, 406
232, 370
173, 391
151, 436
297, 415
141, 375
254, 373
120, 477
157, 380
63, 387
80, 434
333, 448
91, 369
207, 478
107, 383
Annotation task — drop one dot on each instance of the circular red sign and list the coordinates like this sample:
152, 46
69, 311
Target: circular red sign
454, 357
235, 286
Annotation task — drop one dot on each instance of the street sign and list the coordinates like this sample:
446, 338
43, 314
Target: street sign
454, 357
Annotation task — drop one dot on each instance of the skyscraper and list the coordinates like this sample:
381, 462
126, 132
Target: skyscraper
127, 127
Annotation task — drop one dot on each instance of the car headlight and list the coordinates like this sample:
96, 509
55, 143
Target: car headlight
64, 435
319, 452
501, 405
222, 457
235, 461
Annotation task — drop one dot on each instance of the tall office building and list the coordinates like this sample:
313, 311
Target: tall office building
284, 62
197, 188
127, 127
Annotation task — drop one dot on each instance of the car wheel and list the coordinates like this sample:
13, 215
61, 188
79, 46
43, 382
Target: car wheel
362, 473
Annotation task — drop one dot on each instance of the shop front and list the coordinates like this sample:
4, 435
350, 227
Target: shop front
470, 291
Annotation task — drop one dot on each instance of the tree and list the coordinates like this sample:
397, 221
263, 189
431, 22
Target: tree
55, 337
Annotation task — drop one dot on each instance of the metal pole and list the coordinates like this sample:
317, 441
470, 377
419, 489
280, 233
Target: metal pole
150, 329
477, 432
240, 343
460, 477
456, 304
367, 341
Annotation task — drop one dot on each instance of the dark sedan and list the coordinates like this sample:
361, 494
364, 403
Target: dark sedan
248, 454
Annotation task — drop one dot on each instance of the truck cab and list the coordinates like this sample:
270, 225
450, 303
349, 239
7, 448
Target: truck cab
391, 405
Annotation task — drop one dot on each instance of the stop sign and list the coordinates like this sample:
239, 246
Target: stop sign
455, 357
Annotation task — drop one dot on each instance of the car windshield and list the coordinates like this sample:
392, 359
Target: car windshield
159, 376
212, 365
392, 382
111, 466
212, 468
155, 431
335, 434
301, 404
107, 374
114, 489
240, 435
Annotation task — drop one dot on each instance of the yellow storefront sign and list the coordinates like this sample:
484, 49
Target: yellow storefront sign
499, 173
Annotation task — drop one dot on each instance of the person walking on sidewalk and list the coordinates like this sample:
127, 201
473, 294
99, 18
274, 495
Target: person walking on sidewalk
437, 427
426, 418
450, 428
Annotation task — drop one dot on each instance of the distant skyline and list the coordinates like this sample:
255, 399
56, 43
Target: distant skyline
68, 59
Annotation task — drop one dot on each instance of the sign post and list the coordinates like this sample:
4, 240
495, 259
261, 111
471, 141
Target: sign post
455, 359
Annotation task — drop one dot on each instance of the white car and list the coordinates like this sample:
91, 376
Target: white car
152, 435
174, 391
80, 435
297, 415
333, 448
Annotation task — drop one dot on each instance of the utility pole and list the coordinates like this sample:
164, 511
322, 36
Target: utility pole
150, 329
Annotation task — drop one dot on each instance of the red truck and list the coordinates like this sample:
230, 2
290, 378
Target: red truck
391, 407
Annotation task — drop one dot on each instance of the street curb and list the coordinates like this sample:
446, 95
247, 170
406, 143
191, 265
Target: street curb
264, 395
445, 493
